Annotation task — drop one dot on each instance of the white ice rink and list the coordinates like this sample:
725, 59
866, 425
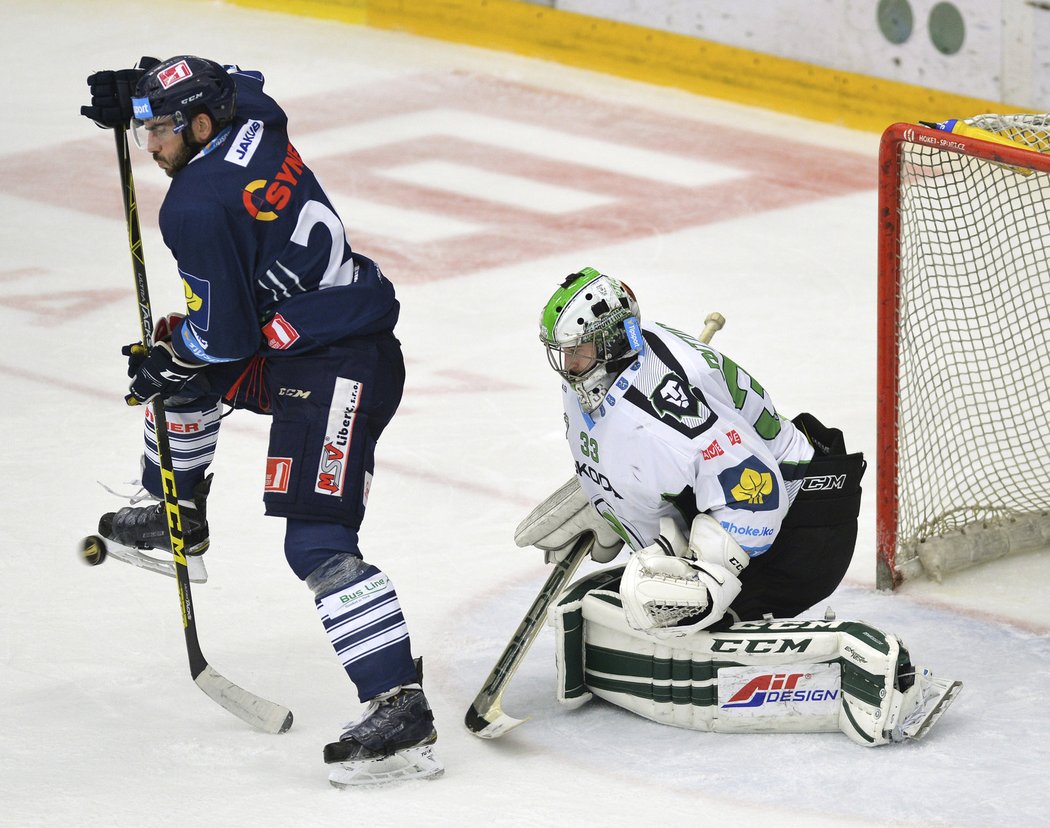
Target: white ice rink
477, 180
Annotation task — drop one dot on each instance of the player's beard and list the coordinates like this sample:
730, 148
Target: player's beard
177, 160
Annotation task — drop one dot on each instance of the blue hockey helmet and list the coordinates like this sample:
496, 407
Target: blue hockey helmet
180, 87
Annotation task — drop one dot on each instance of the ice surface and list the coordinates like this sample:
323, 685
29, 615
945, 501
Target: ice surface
772, 222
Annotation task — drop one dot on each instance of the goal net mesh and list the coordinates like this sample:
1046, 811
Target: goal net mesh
973, 351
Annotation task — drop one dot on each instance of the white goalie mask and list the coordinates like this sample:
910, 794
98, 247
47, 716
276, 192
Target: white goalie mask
591, 328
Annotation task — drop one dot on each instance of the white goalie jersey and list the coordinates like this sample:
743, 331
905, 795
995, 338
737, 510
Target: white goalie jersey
686, 430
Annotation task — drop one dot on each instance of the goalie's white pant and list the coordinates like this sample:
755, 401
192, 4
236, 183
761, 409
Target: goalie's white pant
756, 676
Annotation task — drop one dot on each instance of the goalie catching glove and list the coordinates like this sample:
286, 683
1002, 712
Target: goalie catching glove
674, 586
556, 524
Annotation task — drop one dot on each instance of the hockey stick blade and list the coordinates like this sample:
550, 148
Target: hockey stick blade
494, 723
264, 715
486, 718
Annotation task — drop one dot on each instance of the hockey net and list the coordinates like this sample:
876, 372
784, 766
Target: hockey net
964, 346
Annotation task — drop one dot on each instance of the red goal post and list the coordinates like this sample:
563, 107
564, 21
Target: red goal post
963, 413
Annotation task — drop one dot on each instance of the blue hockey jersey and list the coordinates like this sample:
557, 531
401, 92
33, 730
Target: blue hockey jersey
262, 253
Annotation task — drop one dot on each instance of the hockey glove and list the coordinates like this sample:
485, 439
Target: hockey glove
672, 588
710, 543
160, 374
555, 524
111, 92
136, 354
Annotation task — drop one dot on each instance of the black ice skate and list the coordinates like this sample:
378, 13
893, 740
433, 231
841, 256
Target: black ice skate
146, 527
390, 742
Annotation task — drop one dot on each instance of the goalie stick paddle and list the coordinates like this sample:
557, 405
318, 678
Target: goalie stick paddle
261, 714
486, 718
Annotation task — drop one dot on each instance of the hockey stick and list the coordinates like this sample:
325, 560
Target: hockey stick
486, 718
255, 710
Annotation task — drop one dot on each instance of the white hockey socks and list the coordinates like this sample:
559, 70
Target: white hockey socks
364, 622
192, 437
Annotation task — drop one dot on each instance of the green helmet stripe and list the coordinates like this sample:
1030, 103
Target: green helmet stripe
561, 298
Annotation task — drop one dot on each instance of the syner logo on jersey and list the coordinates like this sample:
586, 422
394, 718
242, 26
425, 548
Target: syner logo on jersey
264, 199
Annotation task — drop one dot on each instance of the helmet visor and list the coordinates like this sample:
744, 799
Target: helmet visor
156, 128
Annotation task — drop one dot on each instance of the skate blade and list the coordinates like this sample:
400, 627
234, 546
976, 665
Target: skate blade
921, 728
164, 565
410, 763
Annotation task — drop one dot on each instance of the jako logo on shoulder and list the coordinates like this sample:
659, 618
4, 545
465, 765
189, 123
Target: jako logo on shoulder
245, 143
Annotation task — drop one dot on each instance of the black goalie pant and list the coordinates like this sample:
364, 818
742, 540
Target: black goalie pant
813, 550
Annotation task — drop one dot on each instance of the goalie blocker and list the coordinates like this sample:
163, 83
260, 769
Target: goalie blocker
753, 676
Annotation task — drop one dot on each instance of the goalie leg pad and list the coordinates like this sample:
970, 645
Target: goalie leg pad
566, 617
758, 676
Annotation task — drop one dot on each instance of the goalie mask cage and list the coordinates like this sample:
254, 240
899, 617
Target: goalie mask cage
963, 418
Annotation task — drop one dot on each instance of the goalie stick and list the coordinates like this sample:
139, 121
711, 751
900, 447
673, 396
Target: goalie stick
486, 718
260, 713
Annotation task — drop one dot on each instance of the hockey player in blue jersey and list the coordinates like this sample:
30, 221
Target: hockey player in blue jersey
284, 319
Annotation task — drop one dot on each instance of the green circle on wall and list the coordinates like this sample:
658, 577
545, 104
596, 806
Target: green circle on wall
895, 20
947, 29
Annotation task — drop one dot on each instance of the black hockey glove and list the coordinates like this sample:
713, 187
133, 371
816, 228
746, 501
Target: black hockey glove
163, 331
159, 374
111, 92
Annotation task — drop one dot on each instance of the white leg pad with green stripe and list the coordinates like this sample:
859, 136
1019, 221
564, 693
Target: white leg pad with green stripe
760, 676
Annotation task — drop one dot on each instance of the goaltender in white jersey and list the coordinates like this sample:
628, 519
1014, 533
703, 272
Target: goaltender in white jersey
671, 438
732, 513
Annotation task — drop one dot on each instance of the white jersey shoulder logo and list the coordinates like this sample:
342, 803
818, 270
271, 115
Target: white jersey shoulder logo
245, 144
